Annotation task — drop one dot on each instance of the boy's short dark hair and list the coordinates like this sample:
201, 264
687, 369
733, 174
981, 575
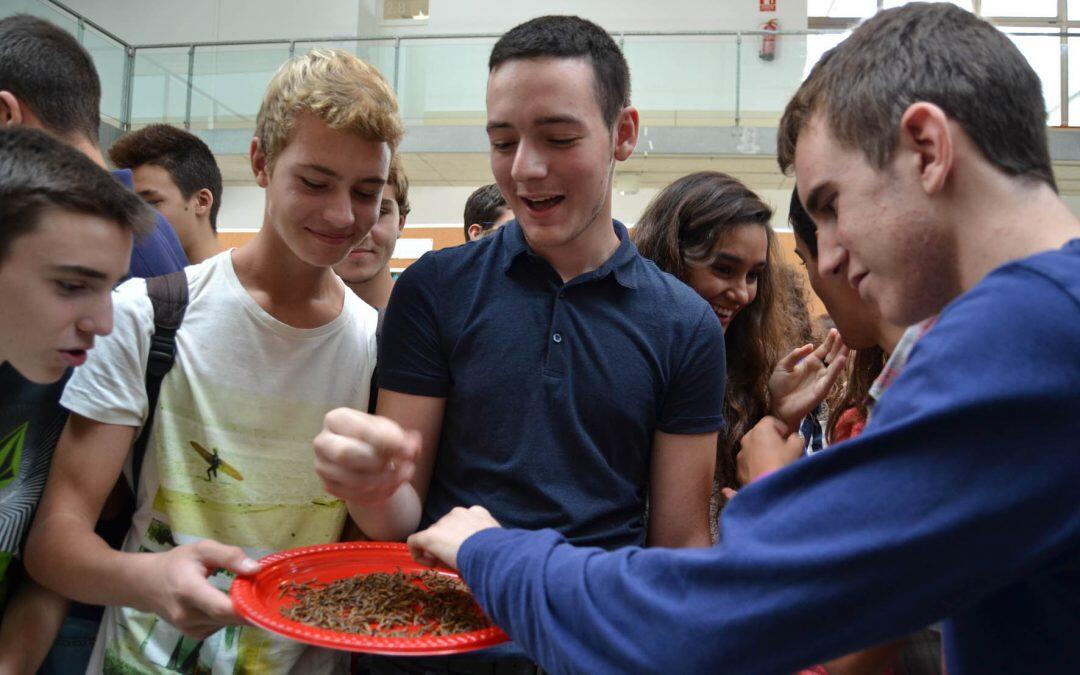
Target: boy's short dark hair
483, 207
400, 182
38, 172
184, 155
937, 53
569, 37
48, 70
802, 224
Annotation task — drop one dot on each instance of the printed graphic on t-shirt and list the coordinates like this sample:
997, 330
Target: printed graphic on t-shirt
233, 466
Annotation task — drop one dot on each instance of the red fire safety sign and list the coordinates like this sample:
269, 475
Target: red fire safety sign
767, 5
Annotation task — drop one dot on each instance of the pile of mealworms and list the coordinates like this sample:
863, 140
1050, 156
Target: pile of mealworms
386, 605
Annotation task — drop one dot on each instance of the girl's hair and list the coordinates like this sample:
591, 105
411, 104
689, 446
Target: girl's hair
680, 228
853, 389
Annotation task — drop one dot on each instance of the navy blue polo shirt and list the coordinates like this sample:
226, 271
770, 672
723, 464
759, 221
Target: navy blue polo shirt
160, 251
553, 391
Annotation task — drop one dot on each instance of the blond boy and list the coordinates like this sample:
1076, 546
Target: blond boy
267, 328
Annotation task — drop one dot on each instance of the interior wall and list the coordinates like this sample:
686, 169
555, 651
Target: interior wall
156, 21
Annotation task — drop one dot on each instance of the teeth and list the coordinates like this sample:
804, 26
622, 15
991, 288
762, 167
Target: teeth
543, 202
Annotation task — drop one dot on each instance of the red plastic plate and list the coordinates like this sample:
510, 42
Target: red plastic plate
256, 598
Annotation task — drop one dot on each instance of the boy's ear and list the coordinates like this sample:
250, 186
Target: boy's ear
927, 137
258, 164
11, 112
626, 133
475, 230
204, 200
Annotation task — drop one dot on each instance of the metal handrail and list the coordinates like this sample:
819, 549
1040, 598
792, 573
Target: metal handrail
131, 51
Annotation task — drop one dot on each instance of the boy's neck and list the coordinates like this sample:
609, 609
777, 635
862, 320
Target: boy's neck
375, 291
204, 246
586, 252
1008, 220
290, 290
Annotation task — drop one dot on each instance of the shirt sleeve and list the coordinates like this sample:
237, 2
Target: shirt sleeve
694, 401
411, 359
111, 386
953, 494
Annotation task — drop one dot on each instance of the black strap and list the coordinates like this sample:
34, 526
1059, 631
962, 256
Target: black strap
169, 296
373, 396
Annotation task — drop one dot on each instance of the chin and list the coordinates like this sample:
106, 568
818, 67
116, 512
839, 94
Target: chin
41, 374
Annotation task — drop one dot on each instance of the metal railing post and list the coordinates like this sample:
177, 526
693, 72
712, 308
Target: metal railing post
190, 84
738, 76
126, 100
397, 63
81, 30
292, 49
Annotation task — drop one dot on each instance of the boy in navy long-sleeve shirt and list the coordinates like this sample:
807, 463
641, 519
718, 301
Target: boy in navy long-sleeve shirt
920, 151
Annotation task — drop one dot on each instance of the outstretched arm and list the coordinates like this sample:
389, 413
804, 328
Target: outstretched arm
64, 553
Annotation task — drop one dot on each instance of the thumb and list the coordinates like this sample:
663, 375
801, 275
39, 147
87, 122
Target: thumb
231, 558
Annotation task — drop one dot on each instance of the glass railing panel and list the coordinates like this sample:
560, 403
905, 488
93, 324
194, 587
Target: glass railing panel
379, 53
1044, 55
229, 83
443, 81
159, 87
683, 80
109, 59
771, 68
43, 10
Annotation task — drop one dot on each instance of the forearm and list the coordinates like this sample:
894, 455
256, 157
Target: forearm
391, 520
30, 624
65, 555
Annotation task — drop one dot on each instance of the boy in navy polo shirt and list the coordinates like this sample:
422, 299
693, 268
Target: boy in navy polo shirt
920, 151
547, 371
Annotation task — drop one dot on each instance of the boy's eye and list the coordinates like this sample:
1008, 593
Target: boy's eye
312, 184
563, 141
68, 287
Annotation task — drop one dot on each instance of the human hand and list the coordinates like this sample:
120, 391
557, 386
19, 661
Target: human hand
180, 593
364, 458
441, 541
766, 448
803, 378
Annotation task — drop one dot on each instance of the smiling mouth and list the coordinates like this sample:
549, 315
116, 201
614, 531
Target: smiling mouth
723, 313
542, 205
332, 239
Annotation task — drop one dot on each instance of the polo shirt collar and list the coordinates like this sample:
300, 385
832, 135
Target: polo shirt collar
622, 265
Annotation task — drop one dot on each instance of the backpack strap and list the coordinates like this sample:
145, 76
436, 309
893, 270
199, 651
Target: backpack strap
169, 297
373, 395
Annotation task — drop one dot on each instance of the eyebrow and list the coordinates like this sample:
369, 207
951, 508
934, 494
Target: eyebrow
723, 255
148, 192
547, 120
330, 173
813, 200
79, 270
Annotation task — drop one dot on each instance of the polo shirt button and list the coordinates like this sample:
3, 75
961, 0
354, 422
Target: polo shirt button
557, 337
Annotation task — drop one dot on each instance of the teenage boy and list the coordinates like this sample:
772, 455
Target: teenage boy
175, 172
66, 230
919, 146
366, 270
485, 212
48, 81
267, 330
